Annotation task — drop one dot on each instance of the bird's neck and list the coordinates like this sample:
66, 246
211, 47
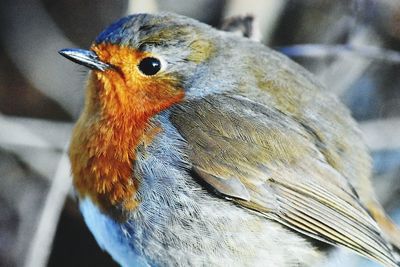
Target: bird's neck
102, 154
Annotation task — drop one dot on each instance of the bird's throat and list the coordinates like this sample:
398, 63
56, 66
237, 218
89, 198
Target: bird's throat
103, 152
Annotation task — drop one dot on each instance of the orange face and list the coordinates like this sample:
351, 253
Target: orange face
120, 101
124, 88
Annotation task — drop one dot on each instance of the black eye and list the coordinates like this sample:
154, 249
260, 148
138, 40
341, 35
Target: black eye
149, 66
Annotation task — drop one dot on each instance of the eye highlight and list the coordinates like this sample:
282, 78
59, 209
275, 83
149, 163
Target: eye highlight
149, 66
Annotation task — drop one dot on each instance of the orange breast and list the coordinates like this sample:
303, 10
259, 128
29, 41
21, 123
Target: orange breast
102, 158
114, 122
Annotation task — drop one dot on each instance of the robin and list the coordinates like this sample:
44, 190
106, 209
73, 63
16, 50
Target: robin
197, 147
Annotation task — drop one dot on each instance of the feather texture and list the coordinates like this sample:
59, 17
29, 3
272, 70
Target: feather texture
268, 162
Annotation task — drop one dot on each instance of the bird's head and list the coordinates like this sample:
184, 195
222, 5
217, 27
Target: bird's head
142, 63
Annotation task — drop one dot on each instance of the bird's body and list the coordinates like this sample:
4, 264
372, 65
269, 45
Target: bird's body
197, 147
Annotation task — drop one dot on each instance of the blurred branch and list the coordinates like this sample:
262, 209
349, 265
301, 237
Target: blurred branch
381, 134
321, 51
348, 68
14, 133
266, 14
40, 246
38, 143
141, 6
32, 44
24, 192
36, 133
243, 26
41, 161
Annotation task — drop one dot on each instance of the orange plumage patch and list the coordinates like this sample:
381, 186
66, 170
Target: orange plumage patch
115, 120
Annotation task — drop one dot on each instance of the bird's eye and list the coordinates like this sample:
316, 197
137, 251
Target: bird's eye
149, 66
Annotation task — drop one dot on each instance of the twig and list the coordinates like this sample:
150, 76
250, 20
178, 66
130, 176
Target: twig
40, 247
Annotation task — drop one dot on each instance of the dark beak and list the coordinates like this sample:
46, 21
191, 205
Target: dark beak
84, 57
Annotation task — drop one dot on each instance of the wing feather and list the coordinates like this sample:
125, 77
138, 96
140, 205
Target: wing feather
267, 162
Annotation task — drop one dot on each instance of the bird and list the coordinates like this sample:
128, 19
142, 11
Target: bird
199, 147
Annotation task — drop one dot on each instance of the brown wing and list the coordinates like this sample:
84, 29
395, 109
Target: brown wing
265, 161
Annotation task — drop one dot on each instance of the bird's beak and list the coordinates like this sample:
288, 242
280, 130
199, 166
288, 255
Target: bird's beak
84, 57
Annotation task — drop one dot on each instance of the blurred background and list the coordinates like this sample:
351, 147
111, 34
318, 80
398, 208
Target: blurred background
350, 45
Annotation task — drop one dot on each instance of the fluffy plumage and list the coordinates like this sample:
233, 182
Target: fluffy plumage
249, 163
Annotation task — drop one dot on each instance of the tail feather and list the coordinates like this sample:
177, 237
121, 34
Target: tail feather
388, 227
